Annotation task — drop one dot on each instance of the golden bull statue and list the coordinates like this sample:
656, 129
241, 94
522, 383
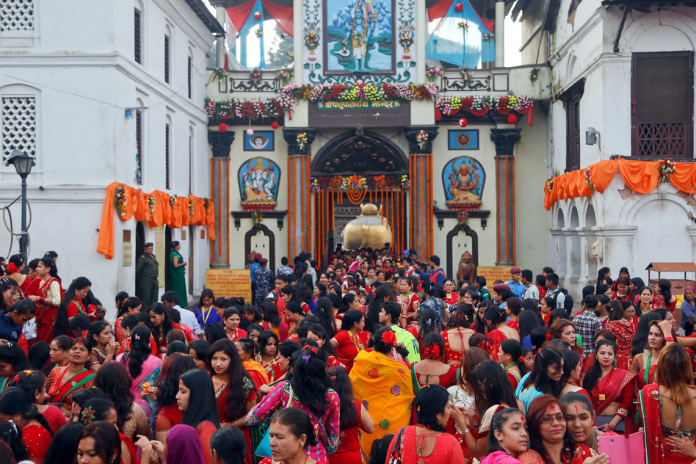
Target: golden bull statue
369, 230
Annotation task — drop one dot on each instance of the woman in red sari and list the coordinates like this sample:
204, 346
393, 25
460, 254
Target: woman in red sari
549, 443
495, 317
235, 391
129, 306
611, 390
165, 392
47, 298
668, 409
622, 326
14, 269
64, 381
451, 295
351, 340
645, 364
15, 405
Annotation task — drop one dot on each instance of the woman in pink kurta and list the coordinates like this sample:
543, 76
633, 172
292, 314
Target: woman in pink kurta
311, 381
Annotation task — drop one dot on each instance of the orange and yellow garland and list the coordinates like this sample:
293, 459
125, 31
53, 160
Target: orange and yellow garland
186, 211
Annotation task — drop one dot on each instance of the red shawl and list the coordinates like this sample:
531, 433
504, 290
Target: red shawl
615, 387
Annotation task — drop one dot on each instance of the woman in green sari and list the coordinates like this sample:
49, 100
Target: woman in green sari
176, 274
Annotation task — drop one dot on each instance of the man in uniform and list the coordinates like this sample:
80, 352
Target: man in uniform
146, 271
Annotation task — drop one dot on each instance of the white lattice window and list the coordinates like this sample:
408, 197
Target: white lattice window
16, 15
18, 125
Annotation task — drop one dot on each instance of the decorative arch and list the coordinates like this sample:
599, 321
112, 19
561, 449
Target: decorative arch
574, 217
662, 18
271, 243
590, 217
474, 245
560, 219
573, 66
360, 152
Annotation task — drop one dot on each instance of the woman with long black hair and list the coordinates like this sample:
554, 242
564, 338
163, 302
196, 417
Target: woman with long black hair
372, 313
165, 391
47, 298
196, 398
130, 306
325, 316
354, 417
160, 325
235, 391
16, 405
142, 366
72, 305
104, 349
33, 383
272, 321
310, 385
545, 377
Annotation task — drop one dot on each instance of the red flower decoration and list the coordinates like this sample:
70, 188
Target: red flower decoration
431, 352
389, 337
314, 350
275, 125
520, 359
12, 268
548, 336
306, 347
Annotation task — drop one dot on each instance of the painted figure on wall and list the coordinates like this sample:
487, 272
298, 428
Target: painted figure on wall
359, 35
258, 182
463, 179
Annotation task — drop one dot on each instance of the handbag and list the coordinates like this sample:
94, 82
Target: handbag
395, 458
264, 448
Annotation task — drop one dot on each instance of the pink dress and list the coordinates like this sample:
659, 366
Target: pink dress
149, 366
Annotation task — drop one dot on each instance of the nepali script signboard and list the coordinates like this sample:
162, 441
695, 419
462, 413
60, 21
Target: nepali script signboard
381, 113
229, 283
493, 273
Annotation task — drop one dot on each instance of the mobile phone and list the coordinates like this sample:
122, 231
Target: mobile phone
613, 446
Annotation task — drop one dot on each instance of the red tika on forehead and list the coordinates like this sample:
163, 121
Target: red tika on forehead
576, 408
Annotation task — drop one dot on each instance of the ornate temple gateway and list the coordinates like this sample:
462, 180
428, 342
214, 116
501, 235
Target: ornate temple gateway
329, 105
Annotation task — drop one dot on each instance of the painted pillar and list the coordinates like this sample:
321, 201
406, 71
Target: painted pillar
300, 211
504, 140
221, 143
421, 194
220, 15
499, 33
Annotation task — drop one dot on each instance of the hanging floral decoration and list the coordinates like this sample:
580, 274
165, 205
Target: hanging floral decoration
285, 75
258, 32
121, 200
422, 139
433, 73
311, 39
218, 74
463, 218
464, 26
152, 204
251, 110
481, 105
466, 76
301, 140
549, 185
257, 217
172, 201
356, 182
255, 77
488, 36
406, 38
534, 74
665, 168
588, 173
191, 208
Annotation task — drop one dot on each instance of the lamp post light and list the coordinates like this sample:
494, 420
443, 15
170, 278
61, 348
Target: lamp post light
22, 164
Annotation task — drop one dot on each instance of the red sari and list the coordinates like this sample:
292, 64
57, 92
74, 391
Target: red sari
45, 314
624, 331
348, 348
62, 392
37, 440
221, 399
348, 451
616, 387
657, 450
498, 337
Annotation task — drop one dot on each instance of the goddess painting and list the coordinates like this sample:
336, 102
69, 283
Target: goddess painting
463, 179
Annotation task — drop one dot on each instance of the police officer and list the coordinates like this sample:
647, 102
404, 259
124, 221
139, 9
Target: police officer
146, 271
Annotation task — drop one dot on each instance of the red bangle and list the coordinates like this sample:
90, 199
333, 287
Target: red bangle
669, 339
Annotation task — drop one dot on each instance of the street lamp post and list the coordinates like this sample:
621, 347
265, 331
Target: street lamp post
23, 164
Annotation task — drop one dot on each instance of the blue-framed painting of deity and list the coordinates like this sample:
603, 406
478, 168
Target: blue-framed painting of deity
359, 37
463, 139
259, 141
463, 179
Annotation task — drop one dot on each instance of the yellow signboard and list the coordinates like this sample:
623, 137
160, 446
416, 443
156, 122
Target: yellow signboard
229, 283
493, 273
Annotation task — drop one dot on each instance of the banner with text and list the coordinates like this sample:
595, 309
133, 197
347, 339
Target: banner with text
229, 283
493, 273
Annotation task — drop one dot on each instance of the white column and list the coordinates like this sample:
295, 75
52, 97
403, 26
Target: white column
220, 14
499, 34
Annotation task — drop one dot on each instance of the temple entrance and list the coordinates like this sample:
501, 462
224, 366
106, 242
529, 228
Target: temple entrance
352, 169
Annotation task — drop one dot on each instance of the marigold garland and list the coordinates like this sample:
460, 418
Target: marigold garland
121, 200
666, 168
340, 183
588, 173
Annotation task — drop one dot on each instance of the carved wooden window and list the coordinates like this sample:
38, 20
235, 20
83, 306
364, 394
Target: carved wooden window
137, 37
16, 15
662, 110
571, 101
190, 77
18, 127
139, 146
166, 59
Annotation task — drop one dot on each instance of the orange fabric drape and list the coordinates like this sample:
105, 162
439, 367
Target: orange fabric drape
137, 205
640, 176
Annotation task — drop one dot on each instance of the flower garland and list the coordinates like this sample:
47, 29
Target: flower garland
311, 39
258, 32
252, 110
356, 182
549, 185
285, 75
463, 218
257, 217
255, 77
488, 36
588, 173
121, 200
433, 73
466, 76
534, 74
191, 208
422, 139
152, 204
302, 140
172, 201
666, 168
451, 105
464, 26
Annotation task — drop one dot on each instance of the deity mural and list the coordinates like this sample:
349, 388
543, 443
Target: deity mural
359, 36
463, 179
258, 184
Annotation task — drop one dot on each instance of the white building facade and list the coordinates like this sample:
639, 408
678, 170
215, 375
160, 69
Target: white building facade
102, 92
622, 85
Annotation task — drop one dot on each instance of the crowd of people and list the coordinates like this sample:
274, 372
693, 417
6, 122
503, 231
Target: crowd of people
375, 358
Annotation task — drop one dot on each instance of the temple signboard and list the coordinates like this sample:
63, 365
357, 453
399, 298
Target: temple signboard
379, 113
